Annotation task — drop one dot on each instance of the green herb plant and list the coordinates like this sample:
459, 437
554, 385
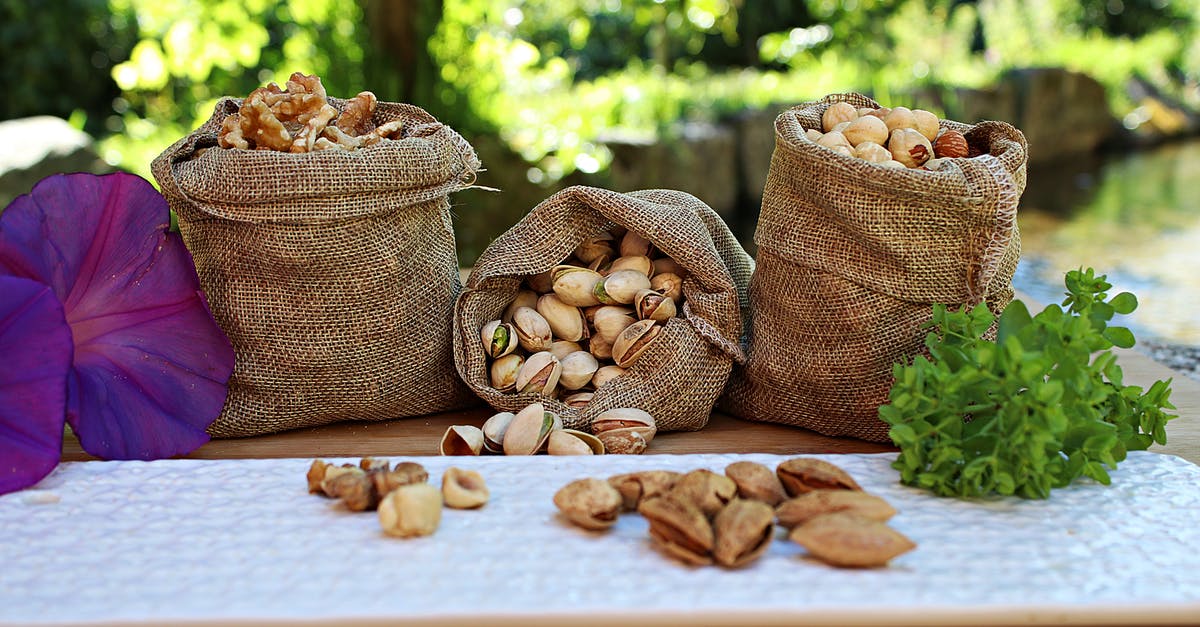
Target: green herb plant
1037, 408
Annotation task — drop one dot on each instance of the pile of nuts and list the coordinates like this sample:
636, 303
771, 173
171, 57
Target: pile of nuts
408, 506
622, 431
896, 137
702, 517
300, 119
585, 321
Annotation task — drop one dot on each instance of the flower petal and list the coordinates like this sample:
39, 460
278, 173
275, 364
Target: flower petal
36, 344
150, 364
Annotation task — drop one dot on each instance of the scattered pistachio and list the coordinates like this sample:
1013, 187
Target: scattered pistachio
463, 489
589, 503
411, 511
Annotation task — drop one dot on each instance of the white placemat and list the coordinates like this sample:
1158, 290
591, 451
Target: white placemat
242, 540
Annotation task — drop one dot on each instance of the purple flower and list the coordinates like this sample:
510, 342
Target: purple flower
148, 366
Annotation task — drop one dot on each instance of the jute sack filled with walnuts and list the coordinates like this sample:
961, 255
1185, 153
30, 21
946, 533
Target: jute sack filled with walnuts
333, 272
682, 372
851, 257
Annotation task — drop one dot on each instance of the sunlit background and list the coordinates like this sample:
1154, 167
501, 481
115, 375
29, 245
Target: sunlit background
554, 92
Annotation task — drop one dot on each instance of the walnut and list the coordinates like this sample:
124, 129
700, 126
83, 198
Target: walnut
357, 119
312, 129
260, 125
231, 134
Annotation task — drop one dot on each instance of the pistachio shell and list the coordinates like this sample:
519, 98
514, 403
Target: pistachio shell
605, 373
623, 442
524, 298
529, 430
610, 320
637, 263
848, 540
493, 431
622, 417
405, 473
589, 503
635, 486
679, 528
634, 341
600, 347
666, 265
540, 283
411, 511
756, 482
573, 442
633, 245
539, 374
566, 321
463, 489
668, 284
742, 531
579, 400
595, 247
651, 305
805, 474
575, 286
577, 370
562, 348
499, 338
807, 506
621, 286
504, 371
706, 489
462, 440
533, 331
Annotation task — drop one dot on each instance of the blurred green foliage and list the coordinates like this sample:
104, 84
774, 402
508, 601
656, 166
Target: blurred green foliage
554, 78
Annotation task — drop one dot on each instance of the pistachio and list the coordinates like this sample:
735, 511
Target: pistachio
576, 286
620, 287
533, 332
356, 490
852, 541
870, 151
462, 440
605, 373
834, 139
666, 265
610, 320
539, 374
805, 507
499, 338
504, 372
742, 532
624, 430
333, 472
529, 430
463, 489
562, 348
623, 442
589, 503
756, 482
573, 442
579, 400
635, 486
679, 528
373, 464
909, 147
926, 123
405, 473
805, 474
316, 474
566, 321
652, 305
595, 247
600, 347
493, 431
638, 263
410, 511
706, 490
634, 341
837, 113
524, 298
668, 284
577, 370
541, 282
898, 118
634, 245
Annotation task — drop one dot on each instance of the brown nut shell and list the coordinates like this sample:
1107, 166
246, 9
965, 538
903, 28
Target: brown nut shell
805, 507
635, 486
805, 474
463, 489
951, 144
405, 473
705, 489
634, 341
411, 511
851, 541
679, 528
743, 530
756, 482
589, 503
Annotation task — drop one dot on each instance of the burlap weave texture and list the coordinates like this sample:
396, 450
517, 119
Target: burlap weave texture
333, 273
681, 375
851, 257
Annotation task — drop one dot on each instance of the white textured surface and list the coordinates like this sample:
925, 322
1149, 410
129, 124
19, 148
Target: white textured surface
214, 541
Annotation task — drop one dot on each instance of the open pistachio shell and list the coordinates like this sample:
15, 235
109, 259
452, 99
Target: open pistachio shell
504, 372
805, 474
595, 247
499, 338
634, 341
539, 374
529, 430
573, 442
621, 287
562, 348
633, 244
493, 431
610, 320
743, 530
668, 284
576, 286
533, 332
589, 503
524, 298
679, 528
577, 370
579, 400
651, 305
638, 263
462, 440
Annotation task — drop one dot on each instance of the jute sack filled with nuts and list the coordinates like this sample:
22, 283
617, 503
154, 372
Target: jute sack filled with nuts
851, 257
682, 371
333, 272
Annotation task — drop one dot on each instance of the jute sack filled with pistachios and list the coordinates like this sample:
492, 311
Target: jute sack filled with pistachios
535, 323
852, 255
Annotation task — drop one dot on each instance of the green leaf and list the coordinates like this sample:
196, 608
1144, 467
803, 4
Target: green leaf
1119, 336
1015, 317
1124, 303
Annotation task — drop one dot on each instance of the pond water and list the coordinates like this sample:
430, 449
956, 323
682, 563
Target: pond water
1134, 217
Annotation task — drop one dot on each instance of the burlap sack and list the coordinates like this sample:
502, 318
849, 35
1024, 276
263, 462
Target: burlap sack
333, 273
684, 371
851, 257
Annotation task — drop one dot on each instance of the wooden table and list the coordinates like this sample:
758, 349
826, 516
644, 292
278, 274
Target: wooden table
724, 434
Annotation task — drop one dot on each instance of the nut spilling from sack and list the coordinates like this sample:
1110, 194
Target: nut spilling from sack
534, 429
301, 119
702, 517
896, 137
407, 505
586, 321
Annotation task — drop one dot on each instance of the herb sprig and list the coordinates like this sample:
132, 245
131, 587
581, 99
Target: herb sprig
1042, 405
